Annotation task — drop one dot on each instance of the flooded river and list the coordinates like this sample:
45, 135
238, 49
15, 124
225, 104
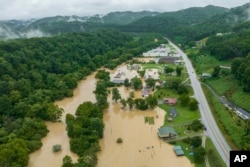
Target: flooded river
141, 145
45, 157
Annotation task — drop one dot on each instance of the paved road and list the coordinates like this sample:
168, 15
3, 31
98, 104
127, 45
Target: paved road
206, 115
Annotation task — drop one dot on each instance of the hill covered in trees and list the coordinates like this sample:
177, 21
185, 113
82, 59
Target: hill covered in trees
144, 21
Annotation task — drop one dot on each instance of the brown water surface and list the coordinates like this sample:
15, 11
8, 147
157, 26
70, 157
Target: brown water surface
44, 157
141, 145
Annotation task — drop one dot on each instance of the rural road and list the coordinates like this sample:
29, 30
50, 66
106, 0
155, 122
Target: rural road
212, 129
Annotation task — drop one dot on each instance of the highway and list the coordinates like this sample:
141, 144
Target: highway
212, 129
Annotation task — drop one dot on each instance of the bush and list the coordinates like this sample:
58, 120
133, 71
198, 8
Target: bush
119, 140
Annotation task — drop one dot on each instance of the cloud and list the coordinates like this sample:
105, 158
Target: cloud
34, 33
23, 9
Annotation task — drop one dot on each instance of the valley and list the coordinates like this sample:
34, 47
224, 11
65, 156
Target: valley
113, 90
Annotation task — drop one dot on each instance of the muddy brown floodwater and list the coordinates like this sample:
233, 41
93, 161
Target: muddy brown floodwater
141, 145
45, 157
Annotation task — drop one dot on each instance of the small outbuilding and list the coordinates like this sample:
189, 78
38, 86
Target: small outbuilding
178, 150
170, 101
173, 112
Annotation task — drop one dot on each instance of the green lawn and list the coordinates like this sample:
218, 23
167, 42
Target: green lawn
184, 114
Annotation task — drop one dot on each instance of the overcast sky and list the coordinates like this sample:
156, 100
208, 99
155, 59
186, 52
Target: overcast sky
25, 9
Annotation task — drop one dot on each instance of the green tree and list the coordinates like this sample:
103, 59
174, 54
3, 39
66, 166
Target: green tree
141, 73
14, 153
152, 101
96, 124
67, 161
116, 94
132, 94
150, 82
246, 80
196, 125
126, 82
193, 104
199, 154
182, 89
136, 83
168, 70
216, 71
196, 141
141, 104
124, 103
130, 103
184, 99
178, 70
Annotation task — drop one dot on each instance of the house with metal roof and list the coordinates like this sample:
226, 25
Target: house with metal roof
167, 132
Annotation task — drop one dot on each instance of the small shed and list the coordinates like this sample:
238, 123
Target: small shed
178, 150
173, 112
167, 132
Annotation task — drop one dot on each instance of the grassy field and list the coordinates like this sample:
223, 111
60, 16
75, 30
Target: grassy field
184, 115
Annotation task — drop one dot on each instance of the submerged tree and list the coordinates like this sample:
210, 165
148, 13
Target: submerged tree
124, 103
116, 94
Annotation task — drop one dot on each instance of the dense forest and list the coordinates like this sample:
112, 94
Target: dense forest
229, 46
35, 72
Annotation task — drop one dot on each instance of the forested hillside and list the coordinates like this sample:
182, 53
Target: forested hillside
36, 72
66, 24
179, 25
232, 46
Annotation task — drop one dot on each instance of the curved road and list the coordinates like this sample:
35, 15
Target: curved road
206, 115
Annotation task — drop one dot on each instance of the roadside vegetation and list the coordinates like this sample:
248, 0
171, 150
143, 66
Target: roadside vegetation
230, 81
213, 156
